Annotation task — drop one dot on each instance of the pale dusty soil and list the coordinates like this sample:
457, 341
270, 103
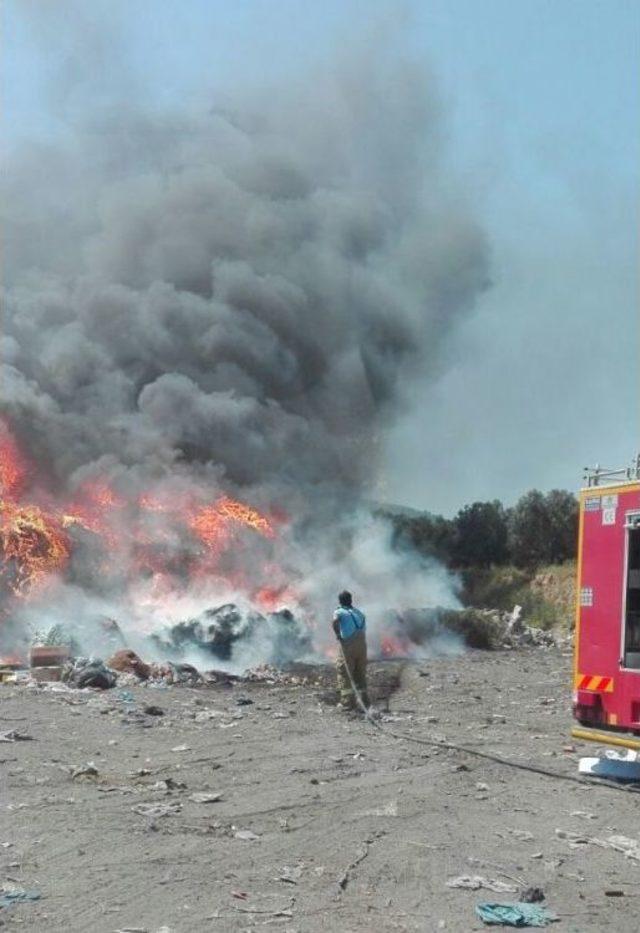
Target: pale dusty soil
315, 787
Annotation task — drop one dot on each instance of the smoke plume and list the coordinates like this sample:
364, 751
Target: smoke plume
236, 300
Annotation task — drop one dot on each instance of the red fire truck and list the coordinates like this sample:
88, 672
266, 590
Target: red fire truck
606, 698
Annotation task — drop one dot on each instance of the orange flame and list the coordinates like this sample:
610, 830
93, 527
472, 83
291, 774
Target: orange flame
13, 466
33, 544
214, 524
149, 535
393, 647
271, 598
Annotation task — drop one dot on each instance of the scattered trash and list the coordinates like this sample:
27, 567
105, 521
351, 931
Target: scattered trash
204, 715
169, 784
205, 798
127, 661
485, 863
11, 896
575, 840
88, 770
14, 736
181, 674
614, 893
532, 895
627, 755
157, 809
246, 835
278, 912
387, 809
475, 882
629, 847
243, 701
181, 748
618, 768
584, 814
89, 672
487, 628
290, 875
515, 915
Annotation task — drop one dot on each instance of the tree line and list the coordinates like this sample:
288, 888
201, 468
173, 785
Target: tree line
539, 529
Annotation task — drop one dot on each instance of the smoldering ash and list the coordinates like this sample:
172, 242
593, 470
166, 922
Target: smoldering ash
210, 320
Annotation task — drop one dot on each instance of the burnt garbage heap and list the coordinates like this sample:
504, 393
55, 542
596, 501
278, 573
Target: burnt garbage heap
282, 638
217, 631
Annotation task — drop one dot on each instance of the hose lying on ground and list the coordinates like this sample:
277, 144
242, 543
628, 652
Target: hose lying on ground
487, 756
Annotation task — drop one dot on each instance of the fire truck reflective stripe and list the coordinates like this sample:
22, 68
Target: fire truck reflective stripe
595, 682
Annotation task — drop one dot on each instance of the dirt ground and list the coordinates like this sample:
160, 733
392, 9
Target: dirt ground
323, 824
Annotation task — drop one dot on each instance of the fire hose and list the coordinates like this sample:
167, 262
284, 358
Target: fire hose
487, 756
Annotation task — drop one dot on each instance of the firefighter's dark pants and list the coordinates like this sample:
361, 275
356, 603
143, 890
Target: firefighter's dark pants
354, 650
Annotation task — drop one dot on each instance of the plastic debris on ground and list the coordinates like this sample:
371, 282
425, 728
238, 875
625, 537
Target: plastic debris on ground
85, 771
475, 882
205, 798
617, 766
515, 915
156, 810
11, 896
125, 668
629, 847
246, 835
90, 672
12, 735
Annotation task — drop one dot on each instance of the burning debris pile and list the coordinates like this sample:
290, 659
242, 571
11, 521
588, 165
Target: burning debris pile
157, 549
202, 353
169, 538
152, 549
221, 630
51, 664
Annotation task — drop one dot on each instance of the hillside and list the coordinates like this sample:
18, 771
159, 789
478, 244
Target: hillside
546, 594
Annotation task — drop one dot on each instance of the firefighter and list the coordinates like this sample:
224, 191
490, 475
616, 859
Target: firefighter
349, 626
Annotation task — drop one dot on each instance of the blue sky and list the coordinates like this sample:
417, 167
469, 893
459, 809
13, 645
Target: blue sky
542, 110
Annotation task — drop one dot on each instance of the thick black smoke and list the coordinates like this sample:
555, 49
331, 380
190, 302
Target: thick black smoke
248, 288
237, 297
